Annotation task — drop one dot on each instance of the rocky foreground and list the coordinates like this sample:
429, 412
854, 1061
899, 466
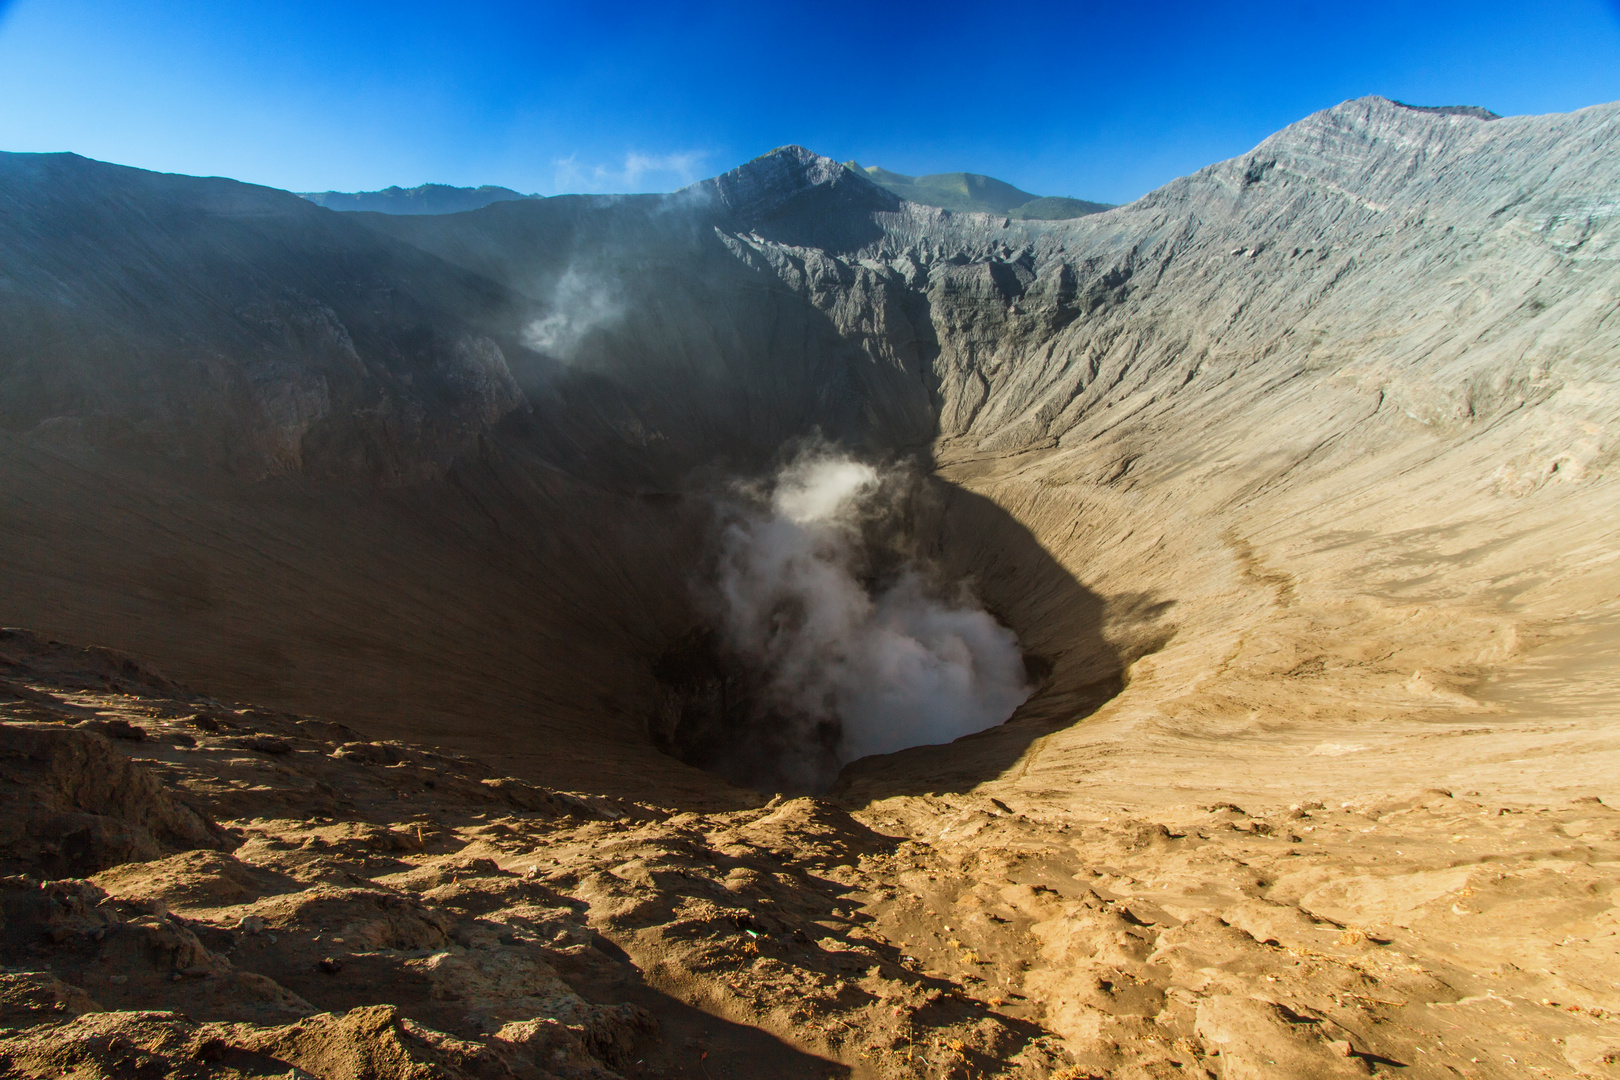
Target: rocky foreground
197, 888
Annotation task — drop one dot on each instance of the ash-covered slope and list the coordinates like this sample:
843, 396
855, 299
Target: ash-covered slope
1380, 241
373, 910
236, 326
1315, 412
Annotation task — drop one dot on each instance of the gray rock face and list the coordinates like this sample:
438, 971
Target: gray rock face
1442, 261
1433, 257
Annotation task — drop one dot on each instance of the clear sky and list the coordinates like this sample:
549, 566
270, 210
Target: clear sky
1096, 101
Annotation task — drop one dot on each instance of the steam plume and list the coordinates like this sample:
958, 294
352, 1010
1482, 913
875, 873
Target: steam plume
886, 666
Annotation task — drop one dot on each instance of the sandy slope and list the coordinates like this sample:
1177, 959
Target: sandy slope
374, 909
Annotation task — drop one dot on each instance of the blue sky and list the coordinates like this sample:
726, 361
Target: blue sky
1095, 101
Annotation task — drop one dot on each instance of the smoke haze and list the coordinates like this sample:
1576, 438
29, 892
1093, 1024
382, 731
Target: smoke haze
884, 665
580, 303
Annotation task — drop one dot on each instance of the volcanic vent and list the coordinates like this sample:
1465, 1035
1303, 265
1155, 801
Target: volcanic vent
828, 639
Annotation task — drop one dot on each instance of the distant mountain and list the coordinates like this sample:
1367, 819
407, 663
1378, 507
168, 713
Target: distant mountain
423, 199
976, 192
952, 191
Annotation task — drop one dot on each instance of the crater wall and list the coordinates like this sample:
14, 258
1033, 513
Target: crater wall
1322, 431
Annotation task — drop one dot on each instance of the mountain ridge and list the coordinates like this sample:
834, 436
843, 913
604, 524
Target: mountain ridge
422, 199
958, 191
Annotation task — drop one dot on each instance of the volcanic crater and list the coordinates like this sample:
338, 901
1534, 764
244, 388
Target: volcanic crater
387, 695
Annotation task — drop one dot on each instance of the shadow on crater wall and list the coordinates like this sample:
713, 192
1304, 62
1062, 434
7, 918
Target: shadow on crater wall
1059, 623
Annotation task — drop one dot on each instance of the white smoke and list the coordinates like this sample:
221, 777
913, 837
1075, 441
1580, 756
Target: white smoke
895, 666
580, 303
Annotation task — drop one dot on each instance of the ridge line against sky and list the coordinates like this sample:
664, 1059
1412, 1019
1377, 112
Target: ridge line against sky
1075, 99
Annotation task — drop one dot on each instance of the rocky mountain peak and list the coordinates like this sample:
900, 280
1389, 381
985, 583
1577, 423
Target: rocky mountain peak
780, 181
1369, 153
